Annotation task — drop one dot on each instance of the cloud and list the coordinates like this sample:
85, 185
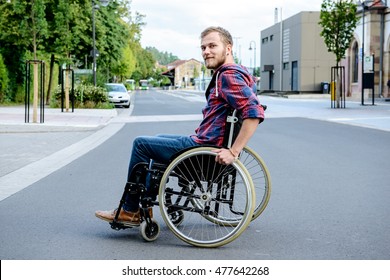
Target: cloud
175, 25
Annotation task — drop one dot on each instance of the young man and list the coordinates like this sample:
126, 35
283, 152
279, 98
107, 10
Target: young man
232, 87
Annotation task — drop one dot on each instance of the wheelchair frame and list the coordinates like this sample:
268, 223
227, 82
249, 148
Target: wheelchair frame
203, 203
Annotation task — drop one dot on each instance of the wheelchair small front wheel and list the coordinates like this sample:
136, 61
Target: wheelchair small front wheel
150, 231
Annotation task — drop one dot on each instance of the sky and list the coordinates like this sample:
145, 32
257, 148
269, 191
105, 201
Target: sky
174, 26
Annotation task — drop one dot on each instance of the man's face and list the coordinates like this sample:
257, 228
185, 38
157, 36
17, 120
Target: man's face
213, 50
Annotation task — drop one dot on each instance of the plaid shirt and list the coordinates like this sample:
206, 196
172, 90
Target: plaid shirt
236, 89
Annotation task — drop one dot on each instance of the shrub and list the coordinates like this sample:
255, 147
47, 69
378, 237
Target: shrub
85, 96
3, 80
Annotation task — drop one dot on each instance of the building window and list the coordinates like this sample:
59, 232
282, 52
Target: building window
285, 66
271, 37
355, 63
265, 40
286, 45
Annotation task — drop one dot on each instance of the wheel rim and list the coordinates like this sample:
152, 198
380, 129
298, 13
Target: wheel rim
201, 196
260, 176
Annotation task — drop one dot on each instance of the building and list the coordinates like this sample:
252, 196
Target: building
372, 42
183, 72
294, 56
306, 63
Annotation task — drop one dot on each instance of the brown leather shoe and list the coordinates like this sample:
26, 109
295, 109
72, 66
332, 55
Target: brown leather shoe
126, 218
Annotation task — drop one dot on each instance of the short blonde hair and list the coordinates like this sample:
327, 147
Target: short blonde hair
226, 37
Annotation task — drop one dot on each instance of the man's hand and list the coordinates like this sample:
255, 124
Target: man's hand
224, 156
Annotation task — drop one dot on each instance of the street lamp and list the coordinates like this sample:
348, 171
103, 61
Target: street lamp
254, 55
95, 6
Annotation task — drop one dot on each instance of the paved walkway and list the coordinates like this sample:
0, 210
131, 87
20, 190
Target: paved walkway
12, 119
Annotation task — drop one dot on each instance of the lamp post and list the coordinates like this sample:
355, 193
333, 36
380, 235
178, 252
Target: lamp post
95, 6
364, 11
254, 55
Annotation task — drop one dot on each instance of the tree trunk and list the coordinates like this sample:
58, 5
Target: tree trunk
66, 80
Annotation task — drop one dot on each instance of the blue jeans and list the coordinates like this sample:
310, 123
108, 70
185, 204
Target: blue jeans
159, 148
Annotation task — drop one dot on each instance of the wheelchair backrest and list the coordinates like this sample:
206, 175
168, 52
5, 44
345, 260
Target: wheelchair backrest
233, 126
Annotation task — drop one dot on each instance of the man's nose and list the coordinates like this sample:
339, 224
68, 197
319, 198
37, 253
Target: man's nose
206, 50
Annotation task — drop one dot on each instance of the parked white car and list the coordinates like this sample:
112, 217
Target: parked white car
118, 94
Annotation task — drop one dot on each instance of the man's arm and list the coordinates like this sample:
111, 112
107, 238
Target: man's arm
227, 156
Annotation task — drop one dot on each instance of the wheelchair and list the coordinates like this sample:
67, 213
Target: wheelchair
202, 202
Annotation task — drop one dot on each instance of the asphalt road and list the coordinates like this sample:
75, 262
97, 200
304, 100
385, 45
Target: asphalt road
330, 190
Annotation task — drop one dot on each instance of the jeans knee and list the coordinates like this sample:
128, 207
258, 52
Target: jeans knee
139, 140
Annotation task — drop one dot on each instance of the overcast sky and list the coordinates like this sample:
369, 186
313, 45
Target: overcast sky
175, 25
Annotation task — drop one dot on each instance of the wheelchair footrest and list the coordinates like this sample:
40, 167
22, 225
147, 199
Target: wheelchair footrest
119, 226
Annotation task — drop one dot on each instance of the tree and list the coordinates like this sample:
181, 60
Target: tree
163, 58
3, 79
126, 65
113, 35
338, 20
146, 63
32, 31
8, 52
67, 23
62, 30
23, 26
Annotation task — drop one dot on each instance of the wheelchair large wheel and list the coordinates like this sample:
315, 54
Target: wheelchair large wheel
211, 197
260, 177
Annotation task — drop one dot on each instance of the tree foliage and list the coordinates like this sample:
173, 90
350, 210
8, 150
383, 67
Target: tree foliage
62, 30
163, 58
338, 19
23, 22
3, 79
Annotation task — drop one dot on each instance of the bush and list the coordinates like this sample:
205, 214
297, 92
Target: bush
3, 80
85, 96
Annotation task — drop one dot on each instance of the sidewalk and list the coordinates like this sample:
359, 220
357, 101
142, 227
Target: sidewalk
31, 151
12, 119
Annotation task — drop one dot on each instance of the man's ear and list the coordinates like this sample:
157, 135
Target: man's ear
228, 49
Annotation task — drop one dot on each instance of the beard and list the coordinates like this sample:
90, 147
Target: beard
216, 61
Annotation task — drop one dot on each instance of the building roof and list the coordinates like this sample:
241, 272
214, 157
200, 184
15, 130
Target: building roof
171, 66
175, 64
377, 3
372, 4
179, 62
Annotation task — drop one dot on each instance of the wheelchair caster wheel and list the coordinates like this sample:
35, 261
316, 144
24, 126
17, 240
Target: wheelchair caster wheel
177, 217
150, 231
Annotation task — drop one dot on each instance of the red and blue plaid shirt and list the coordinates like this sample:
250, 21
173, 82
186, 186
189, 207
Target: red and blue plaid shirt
237, 90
